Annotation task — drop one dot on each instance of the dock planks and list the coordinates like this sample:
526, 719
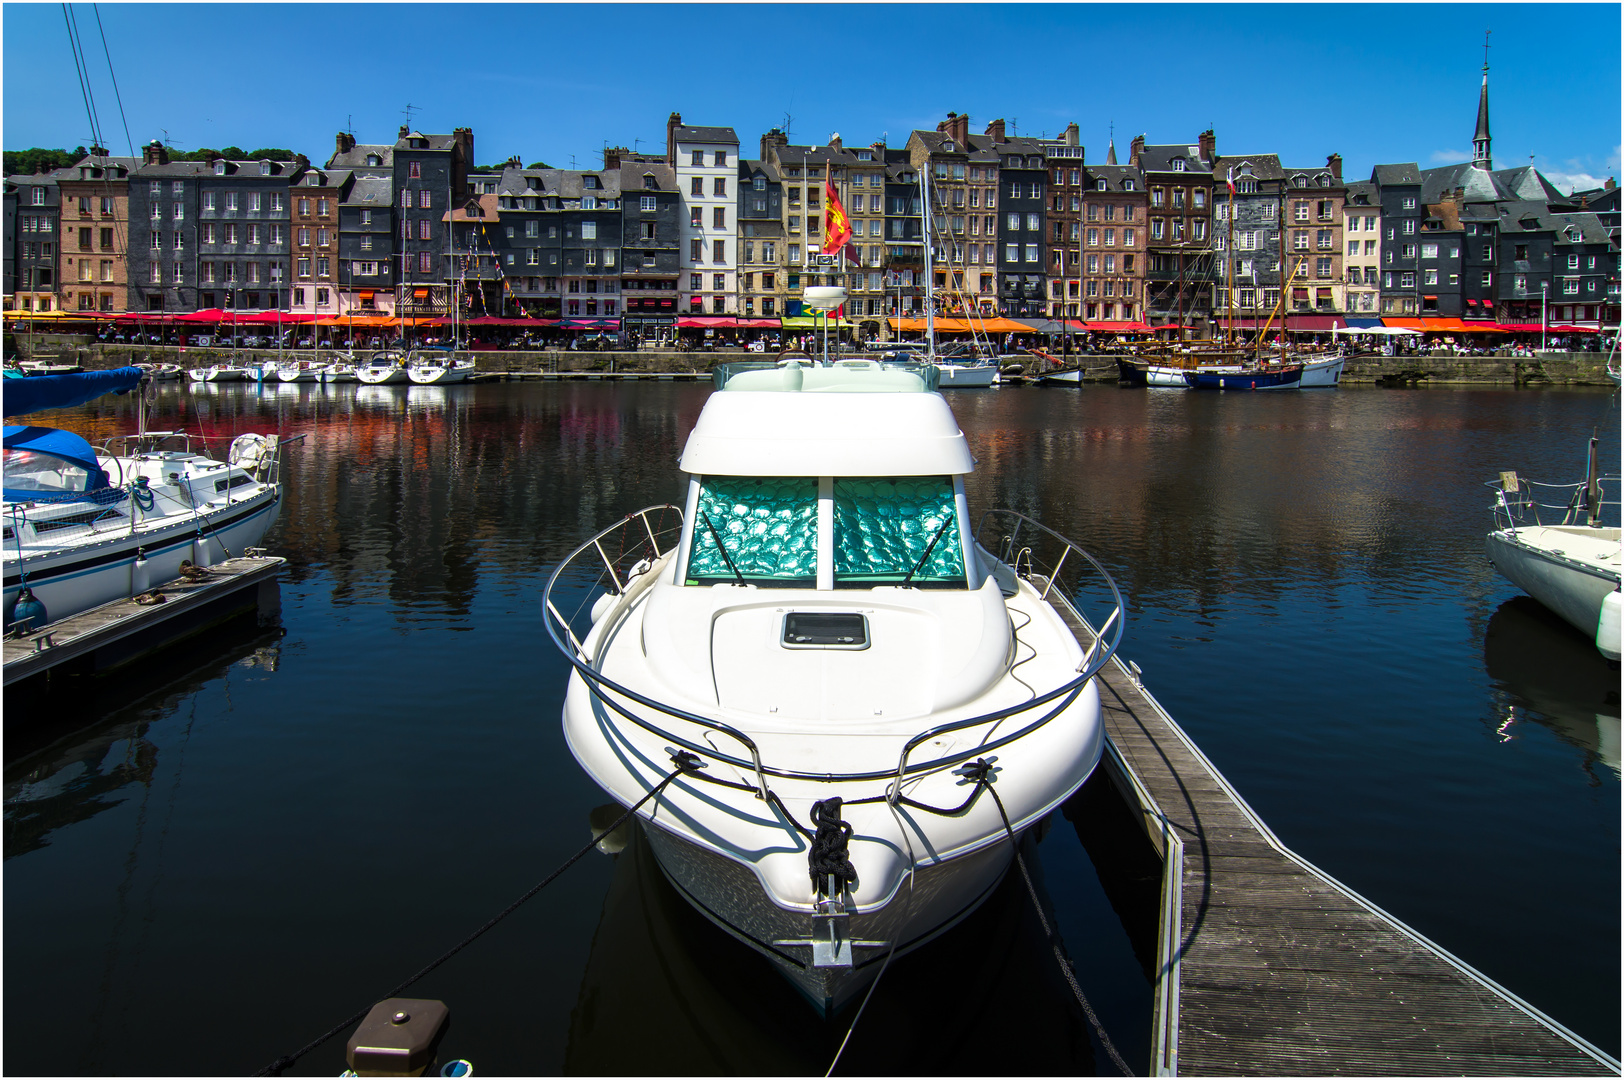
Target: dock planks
123, 629
1272, 967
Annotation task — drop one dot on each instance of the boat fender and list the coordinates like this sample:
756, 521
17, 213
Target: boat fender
1607, 625
26, 612
603, 604
206, 550
140, 573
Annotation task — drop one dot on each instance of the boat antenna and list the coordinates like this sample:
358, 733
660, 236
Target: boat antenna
722, 548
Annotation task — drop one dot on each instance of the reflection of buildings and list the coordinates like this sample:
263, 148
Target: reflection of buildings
1551, 674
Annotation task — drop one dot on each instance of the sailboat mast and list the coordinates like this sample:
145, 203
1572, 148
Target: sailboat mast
930, 277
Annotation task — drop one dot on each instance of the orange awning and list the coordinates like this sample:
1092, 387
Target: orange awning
1441, 325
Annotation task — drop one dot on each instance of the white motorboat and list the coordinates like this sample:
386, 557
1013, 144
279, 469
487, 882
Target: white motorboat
819, 687
46, 367
384, 367
1572, 565
160, 372
432, 370
219, 373
84, 526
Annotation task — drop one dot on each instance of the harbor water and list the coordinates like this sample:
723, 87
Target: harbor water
213, 858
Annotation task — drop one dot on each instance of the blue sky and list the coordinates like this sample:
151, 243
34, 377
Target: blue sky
1375, 83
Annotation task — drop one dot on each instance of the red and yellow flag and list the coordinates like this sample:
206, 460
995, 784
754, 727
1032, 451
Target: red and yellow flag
836, 225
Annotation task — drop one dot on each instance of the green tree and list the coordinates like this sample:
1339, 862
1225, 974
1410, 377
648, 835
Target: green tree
275, 153
27, 162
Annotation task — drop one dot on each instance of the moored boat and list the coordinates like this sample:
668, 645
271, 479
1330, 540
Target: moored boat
219, 373
432, 370
1571, 565
384, 367
1270, 377
299, 371
84, 526
833, 702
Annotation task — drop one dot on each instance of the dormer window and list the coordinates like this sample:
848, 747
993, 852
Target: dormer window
1179, 164
589, 182
1127, 185
219, 168
1299, 181
1324, 179
373, 160
949, 148
649, 183
865, 155
265, 168
1100, 185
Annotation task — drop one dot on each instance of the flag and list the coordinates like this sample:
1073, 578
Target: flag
836, 225
1230, 179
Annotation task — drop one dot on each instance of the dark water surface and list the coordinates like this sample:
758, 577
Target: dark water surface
267, 832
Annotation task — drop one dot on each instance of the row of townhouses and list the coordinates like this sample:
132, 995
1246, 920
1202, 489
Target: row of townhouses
1175, 234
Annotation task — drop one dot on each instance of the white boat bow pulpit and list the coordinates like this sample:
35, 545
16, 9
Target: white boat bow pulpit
830, 672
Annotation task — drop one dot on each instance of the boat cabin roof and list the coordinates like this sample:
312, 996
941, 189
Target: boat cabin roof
826, 433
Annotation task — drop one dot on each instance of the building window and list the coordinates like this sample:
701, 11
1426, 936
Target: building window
414, 170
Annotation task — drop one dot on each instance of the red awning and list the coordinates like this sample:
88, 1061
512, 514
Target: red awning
1315, 322
760, 324
691, 321
1519, 327
1471, 302
1116, 327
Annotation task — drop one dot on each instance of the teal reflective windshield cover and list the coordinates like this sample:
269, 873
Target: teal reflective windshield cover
883, 527
768, 528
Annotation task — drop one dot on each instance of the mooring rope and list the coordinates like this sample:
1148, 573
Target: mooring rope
684, 762
981, 772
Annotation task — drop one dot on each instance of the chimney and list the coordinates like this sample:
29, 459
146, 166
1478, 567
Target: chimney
300, 163
1334, 162
1136, 148
1584, 201
404, 131
1071, 134
773, 139
996, 130
155, 153
1610, 185
834, 142
611, 157
344, 143
98, 151
1208, 142
961, 129
672, 123
462, 159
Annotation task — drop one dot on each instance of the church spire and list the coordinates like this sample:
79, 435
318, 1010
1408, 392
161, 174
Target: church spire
1480, 141
1110, 153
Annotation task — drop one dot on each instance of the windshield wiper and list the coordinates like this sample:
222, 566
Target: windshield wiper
920, 565
720, 547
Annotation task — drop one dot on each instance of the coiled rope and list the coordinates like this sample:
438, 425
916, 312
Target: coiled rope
684, 763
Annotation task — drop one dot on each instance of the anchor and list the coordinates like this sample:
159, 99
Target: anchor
831, 944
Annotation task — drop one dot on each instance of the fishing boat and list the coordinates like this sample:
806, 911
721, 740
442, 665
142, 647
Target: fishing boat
833, 700
1571, 565
84, 526
384, 367
1320, 372
428, 369
1248, 377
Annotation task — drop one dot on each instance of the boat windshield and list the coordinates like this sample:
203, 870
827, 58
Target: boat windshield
768, 529
885, 525
33, 470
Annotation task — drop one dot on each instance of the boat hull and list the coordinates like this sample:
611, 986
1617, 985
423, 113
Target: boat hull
438, 376
1540, 560
938, 897
1286, 379
1322, 374
967, 376
87, 575
378, 377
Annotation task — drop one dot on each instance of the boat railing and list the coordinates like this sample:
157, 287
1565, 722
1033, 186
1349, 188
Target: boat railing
1053, 564
1521, 502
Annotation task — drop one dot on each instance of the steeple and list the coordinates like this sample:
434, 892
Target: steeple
1110, 153
1480, 141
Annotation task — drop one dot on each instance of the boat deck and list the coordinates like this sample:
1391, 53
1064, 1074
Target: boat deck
1271, 967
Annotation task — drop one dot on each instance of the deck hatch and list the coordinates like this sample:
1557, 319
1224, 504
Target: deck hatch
825, 630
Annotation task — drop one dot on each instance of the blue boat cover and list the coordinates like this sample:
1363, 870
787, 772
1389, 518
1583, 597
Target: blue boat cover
59, 444
23, 396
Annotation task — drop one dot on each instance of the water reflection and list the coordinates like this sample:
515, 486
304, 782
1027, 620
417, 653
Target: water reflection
1549, 674
666, 992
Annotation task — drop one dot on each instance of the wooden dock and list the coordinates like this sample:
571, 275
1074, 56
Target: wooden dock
118, 632
1269, 966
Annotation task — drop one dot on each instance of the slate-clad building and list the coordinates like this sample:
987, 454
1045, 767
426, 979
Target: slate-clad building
1246, 238
37, 207
904, 236
1022, 204
565, 241
430, 174
1400, 188
651, 240
242, 234
164, 203
366, 239
762, 288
